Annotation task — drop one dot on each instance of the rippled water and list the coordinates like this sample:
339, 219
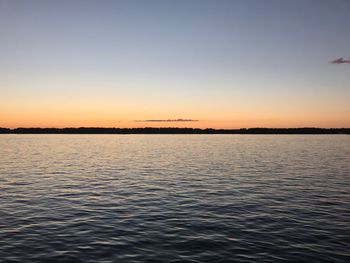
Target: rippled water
174, 198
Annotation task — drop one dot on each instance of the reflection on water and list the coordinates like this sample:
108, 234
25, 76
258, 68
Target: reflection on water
174, 198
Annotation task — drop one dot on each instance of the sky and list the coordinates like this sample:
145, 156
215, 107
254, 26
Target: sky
222, 64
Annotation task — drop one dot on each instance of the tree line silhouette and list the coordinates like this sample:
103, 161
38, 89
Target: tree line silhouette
151, 130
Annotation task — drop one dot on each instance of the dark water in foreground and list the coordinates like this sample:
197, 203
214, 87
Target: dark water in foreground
174, 198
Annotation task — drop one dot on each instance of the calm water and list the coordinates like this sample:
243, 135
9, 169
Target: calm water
174, 198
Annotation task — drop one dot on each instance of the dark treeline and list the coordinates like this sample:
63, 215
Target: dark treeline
93, 130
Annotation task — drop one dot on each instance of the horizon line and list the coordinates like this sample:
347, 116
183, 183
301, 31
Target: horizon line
174, 130
146, 127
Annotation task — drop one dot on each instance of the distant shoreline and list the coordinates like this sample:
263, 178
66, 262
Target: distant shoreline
152, 130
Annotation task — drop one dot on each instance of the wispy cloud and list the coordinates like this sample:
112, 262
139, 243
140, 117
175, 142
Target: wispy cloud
168, 120
340, 61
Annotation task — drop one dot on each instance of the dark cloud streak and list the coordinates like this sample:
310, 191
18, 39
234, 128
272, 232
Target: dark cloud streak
341, 61
168, 120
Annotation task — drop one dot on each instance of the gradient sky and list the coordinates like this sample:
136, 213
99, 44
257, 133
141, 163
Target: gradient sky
228, 64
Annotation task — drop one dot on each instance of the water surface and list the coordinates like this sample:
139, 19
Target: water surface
174, 198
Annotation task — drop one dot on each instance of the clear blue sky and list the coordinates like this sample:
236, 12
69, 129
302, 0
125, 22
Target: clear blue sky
226, 63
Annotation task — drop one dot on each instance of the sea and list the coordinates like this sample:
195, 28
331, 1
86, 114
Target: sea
174, 198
